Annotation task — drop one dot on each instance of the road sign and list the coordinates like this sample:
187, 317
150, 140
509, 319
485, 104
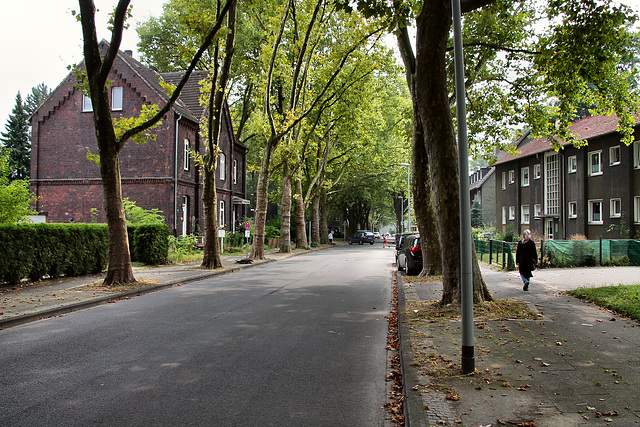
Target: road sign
247, 225
247, 233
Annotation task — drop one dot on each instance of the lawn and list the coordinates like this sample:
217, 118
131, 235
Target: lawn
622, 299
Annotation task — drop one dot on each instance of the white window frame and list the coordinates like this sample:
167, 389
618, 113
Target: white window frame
614, 155
572, 164
221, 215
512, 213
537, 210
87, 105
593, 219
615, 208
524, 177
552, 183
636, 154
504, 215
525, 214
235, 171
537, 171
187, 150
223, 166
636, 210
117, 98
504, 180
512, 176
572, 210
593, 164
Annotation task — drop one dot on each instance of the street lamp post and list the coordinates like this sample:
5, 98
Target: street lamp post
401, 214
408, 166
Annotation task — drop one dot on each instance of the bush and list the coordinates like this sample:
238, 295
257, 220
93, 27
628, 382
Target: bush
37, 250
151, 243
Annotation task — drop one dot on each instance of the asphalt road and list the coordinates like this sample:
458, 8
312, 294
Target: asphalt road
296, 342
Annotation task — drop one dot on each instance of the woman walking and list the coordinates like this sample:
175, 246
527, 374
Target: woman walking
526, 258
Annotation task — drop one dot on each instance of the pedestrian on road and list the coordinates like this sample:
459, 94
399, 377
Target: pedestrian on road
526, 258
384, 241
331, 237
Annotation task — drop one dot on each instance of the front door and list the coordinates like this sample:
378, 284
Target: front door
185, 214
548, 228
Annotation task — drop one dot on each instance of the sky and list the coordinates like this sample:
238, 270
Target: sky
40, 38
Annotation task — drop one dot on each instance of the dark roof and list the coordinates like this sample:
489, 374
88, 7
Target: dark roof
190, 94
486, 173
589, 127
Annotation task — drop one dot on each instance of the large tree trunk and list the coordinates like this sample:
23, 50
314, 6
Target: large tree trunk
285, 211
119, 270
315, 219
211, 259
423, 206
262, 199
433, 25
301, 232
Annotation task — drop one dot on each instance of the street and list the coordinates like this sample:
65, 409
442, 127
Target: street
295, 342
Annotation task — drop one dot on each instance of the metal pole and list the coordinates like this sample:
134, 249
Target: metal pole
466, 275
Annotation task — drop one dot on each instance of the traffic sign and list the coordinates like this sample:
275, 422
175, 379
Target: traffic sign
247, 225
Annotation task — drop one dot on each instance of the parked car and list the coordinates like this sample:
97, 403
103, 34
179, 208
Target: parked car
399, 238
409, 257
377, 235
486, 236
361, 237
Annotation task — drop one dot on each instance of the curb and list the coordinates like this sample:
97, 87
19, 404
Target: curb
414, 405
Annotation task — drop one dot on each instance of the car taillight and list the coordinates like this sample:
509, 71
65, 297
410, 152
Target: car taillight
414, 250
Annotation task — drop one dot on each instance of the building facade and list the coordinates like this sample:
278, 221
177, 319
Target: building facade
482, 188
591, 191
158, 174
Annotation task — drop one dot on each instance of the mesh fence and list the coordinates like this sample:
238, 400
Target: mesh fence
564, 253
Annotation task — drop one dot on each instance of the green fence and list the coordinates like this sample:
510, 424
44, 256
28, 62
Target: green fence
564, 253
497, 252
586, 253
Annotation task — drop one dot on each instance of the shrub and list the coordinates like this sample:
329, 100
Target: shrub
151, 243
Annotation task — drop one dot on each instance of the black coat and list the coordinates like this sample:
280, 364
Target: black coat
526, 257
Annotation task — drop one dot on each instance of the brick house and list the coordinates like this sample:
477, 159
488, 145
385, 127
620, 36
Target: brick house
159, 174
592, 191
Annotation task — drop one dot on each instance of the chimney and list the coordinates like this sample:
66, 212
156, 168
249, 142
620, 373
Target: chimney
129, 52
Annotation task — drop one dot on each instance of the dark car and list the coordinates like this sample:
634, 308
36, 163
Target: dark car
361, 237
409, 256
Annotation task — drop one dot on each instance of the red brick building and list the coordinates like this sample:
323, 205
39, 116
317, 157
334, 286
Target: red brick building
159, 174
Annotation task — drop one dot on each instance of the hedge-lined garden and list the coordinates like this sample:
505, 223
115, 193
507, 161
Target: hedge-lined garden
34, 251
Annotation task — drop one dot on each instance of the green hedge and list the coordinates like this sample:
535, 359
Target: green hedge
37, 250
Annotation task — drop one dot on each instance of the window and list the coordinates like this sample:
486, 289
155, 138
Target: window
572, 164
512, 213
537, 211
551, 183
221, 223
524, 214
504, 180
595, 211
636, 154
636, 209
614, 155
86, 104
504, 215
524, 177
223, 167
187, 151
116, 98
537, 171
235, 171
615, 208
573, 209
595, 163
512, 177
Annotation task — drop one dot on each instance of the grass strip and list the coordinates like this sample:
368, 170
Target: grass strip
621, 299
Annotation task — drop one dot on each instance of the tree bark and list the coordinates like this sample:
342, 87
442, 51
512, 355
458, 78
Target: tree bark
301, 232
324, 213
211, 259
315, 220
262, 199
285, 211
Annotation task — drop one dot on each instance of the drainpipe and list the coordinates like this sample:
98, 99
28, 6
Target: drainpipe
175, 181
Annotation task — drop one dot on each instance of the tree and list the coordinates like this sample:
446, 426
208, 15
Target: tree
512, 73
16, 141
37, 96
110, 142
15, 198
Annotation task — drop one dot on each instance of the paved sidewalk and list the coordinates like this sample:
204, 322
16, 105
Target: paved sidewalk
576, 365
28, 302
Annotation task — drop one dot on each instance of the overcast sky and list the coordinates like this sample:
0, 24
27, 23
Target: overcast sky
40, 38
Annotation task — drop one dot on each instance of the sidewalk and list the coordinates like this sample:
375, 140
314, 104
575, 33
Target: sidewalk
576, 365
28, 302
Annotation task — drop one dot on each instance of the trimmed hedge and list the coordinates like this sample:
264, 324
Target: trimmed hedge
37, 250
